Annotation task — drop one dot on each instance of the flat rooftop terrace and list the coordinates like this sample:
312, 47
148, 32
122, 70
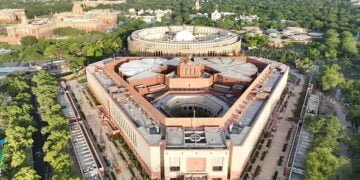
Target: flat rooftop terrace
208, 137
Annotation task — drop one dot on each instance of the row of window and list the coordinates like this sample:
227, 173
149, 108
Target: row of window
125, 126
177, 168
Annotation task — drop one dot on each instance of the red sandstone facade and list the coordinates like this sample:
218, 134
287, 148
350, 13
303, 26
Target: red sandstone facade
94, 20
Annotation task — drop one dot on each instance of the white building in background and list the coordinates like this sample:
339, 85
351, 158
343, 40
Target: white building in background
216, 15
132, 11
150, 11
294, 31
249, 18
192, 16
155, 15
140, 12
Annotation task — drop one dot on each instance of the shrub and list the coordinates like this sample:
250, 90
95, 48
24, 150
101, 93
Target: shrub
107, 162
263, 155
246, 176
268, 143
249, 168
131, 171
267, 134
280, 161
256, 154
289, 134
257, 171
262, 141
275, 175
253, 160
113, 175
284, 148
259, 147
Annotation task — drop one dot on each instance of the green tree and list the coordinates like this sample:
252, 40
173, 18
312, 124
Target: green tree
327, 131
26, 173
313, 53
321, 164
332, 39
348, 44
28, 40
354, 115
306, 64
68, 31
331, 77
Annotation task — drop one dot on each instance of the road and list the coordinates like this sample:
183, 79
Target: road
94, 121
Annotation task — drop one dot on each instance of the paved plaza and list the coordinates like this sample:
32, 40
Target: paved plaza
270, 164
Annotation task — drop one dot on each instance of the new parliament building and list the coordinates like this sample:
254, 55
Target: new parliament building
195, 117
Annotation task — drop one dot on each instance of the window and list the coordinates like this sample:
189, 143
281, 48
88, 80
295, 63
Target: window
174, 168
217, 168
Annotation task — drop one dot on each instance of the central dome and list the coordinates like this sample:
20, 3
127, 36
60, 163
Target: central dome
184, 35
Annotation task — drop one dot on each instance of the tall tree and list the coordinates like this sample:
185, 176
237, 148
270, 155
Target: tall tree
321, 164
28, 40
348, 44
331, 77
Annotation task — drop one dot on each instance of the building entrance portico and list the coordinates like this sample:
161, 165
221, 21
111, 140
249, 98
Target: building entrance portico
195, 176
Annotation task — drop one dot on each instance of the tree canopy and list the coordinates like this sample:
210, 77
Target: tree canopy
57, 132
331, 77
321, 164
19, 125
28, 40
321, 161
68, 31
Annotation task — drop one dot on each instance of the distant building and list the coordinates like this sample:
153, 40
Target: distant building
249, 18
315, 35
93, 20
151, 17
216, 15
132, 11
192, 16
272, 32
197, 5
12, 16
92, 3
184, 41
252, 30
300, 38
355, 2
140, 12
275, 43
294, 31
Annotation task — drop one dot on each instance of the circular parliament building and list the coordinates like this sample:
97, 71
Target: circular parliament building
184, 41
